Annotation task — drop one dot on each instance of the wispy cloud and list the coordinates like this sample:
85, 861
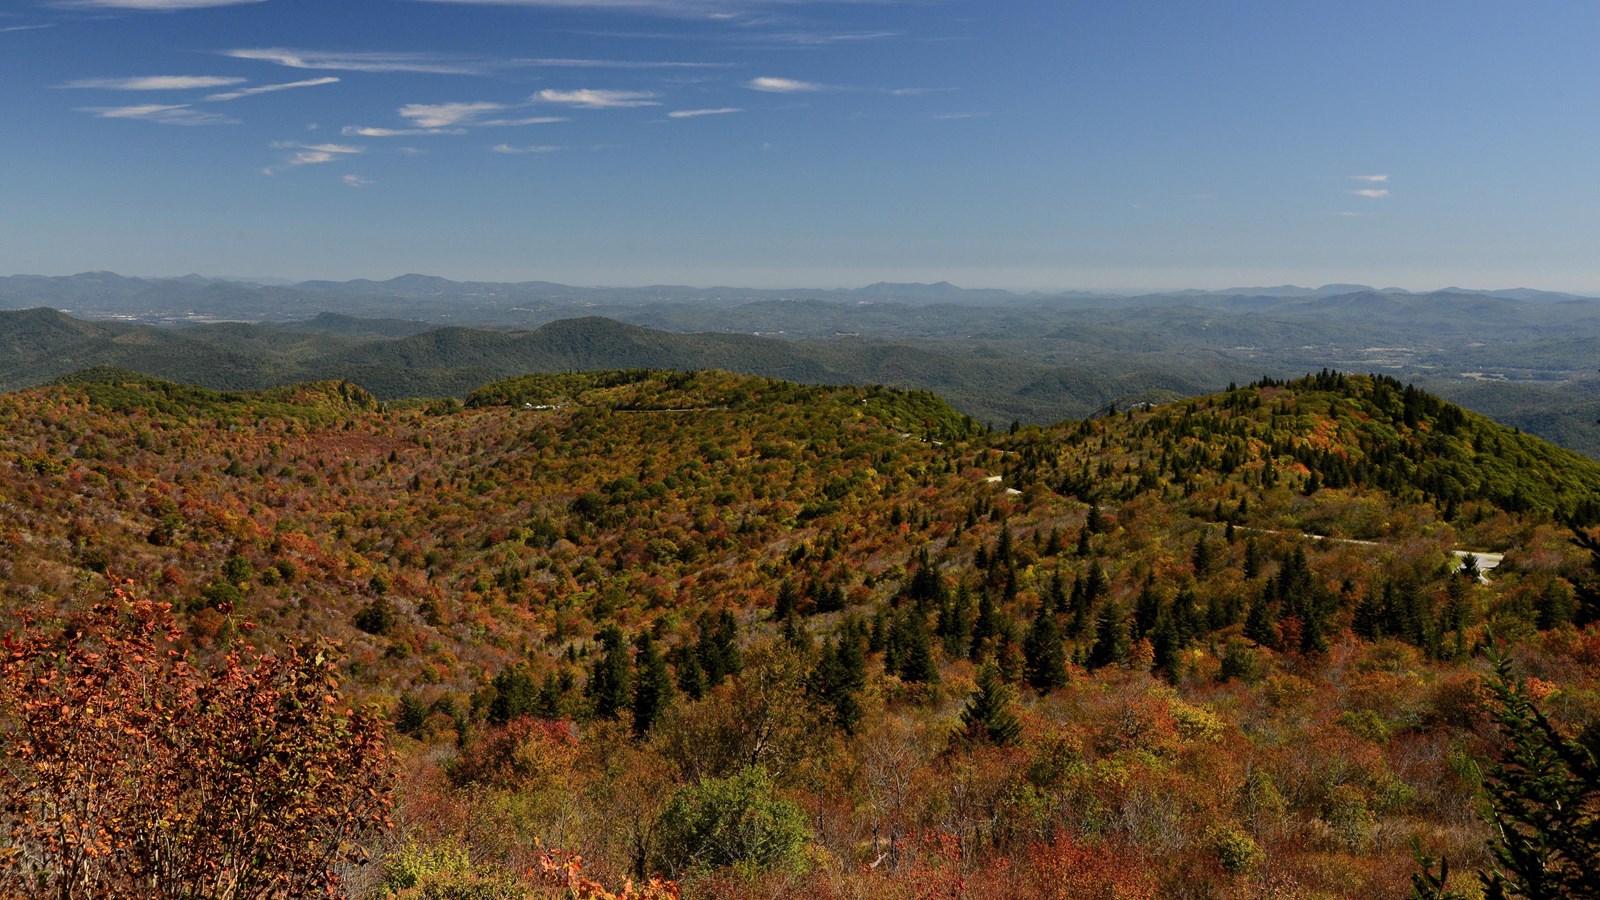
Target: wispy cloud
1371, 179
1371, 192
948, 117
819, 38
697, 113
356, 181
366, 131
271, 88
589, 98
426, 63
164, 114
537, 148
311, 154
10, 28
152, 5
782, 85
716, 9
155, 83
567, 63
744, 11
530, 120
446, 115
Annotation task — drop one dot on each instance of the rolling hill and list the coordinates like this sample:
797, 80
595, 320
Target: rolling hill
1217, 644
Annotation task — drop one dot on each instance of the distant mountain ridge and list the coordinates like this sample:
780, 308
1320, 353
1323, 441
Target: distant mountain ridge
398, 359
1521, 355
107, 294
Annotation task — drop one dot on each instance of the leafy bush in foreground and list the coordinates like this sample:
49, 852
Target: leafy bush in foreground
129, 772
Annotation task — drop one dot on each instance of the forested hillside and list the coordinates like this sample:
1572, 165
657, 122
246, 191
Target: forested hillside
768, 639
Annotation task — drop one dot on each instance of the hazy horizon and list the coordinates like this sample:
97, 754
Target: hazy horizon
287, 281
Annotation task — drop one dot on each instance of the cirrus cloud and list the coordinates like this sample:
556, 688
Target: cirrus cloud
511, 150
311, 155
696, 113
160, 113
152, 5
782, 85
425, 63
272, 88
446, 115
590, 98
155, 83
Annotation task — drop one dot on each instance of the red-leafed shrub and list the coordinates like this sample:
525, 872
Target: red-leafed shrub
126, 771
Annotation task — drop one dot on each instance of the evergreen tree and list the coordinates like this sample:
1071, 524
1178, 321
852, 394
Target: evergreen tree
718, 647
925, 586
987, 718
1044, 652
1166, 644
787, 602
552, 700
830, 598
1203, 558
610, 680
1368, 619
1261, 625
1096, 586
1111, 642
1544, 796
1056, 595
652, 691
691, 677
1146, 610
1188, 622
914, 662
837, 680
515, 695
796, 635
985, 628
954, 626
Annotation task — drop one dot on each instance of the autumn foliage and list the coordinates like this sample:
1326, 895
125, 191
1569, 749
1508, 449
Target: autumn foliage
129, 771
776, 640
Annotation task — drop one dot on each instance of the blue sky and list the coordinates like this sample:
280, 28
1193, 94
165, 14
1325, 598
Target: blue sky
1026, 144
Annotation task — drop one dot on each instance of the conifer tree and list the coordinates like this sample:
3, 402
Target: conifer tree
1056, 595
1261, 625
551, 702
1544, 796
954, 626
691, 677
838, 678
788, 600
1167, 644
1203, 558
914, 661
652, 691
1111, 642
515, 695
1146, 610
985, 628
1044, 652
987, 718
610, 680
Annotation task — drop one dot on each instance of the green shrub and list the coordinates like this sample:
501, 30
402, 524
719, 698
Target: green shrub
1237, 851
735, 821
